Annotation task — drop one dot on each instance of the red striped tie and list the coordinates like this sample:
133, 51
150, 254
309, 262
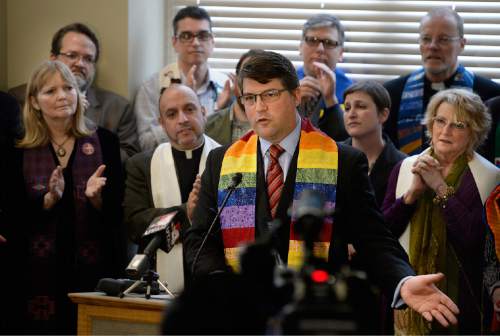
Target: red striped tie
274, 178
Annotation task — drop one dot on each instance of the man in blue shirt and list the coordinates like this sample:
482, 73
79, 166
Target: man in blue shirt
322, 84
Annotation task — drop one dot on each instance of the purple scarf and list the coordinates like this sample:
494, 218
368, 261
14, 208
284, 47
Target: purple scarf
38, 165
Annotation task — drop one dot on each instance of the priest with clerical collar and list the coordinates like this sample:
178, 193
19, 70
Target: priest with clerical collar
166, 178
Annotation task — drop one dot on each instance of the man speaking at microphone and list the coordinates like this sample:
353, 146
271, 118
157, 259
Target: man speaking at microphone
281, 157
162, 180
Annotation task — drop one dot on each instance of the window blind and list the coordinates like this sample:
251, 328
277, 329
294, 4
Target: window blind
381, 36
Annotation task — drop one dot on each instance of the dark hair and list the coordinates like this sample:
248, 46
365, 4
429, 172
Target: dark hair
446, 11
76, 28
248, 54
267, 66
193, 12
324, 20
375, 90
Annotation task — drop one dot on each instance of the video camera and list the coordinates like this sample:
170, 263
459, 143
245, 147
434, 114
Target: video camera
324, 300
319, 299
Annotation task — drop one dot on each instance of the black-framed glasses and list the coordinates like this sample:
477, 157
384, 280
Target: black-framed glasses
313, 41
187, 36
441, 123
74, 57
442, 41
268, 96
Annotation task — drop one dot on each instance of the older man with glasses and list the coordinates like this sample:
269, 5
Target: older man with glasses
77, 46
193, 42
322, 84
441, 41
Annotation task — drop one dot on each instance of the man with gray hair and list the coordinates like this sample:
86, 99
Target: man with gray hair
322, 84
441, 41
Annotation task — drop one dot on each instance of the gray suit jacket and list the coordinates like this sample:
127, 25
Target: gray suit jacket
108, 110
219, 126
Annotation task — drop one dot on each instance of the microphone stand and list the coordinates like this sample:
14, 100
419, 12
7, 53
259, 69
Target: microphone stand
150, 277
224, 201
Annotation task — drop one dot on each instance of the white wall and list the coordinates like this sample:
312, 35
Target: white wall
169, 31
147, 40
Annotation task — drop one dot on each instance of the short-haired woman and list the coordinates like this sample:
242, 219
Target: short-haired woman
367, 105
434, 203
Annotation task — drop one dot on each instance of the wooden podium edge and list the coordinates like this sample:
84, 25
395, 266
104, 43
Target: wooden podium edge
92, 306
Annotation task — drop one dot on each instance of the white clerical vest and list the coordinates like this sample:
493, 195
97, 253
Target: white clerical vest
166, 193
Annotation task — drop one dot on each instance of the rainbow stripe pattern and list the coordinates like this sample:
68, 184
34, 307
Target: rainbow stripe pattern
317, 167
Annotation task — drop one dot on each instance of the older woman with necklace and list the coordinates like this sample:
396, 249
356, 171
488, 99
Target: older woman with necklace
434, 203
64, 211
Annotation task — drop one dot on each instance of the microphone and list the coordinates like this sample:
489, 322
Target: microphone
235, 181
166, 232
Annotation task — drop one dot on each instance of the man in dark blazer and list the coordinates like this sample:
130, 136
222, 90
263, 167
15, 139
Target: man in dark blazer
491, 148
10, 117
77, 46
270, 93
166, 179
9, 132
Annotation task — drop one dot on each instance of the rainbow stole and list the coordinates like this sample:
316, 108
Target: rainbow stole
317, 165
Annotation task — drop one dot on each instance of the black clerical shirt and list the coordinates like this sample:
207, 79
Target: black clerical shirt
186, 166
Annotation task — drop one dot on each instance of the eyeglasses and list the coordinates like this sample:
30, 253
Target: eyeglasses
267, 96
313, 41
442, 41
74, 57
188, 36
441, 122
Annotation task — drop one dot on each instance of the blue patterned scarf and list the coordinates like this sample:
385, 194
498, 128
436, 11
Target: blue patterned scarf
412, 109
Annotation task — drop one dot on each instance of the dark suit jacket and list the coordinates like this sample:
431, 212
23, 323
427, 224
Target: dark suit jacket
382, 167
9, 131
488, 148
332, 123
138, 205
10, 116
113, 112
356, 217
108, 110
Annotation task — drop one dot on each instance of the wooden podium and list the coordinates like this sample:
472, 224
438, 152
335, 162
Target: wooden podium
99, 314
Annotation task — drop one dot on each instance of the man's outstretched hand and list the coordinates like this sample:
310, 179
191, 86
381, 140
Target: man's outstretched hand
421, 294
